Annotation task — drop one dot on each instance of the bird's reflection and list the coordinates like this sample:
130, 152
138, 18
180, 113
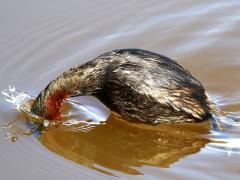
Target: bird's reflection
123, 146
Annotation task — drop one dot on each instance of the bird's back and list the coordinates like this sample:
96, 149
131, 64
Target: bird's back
147, 86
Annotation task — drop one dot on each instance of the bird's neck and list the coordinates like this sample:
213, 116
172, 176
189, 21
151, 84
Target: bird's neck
53, 103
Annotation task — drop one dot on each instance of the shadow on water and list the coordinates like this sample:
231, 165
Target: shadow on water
123, 146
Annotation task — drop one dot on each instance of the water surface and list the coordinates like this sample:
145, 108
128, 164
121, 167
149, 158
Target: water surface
39, 40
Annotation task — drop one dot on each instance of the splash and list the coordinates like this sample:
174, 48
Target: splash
12, 131
227, 124
82, 114
80, 117
21, 102
15, 97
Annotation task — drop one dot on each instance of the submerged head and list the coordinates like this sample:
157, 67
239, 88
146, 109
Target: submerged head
48, 104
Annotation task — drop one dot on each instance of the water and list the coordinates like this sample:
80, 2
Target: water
86, 112
40, 40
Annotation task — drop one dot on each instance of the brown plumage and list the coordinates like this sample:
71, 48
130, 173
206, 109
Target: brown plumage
139, 85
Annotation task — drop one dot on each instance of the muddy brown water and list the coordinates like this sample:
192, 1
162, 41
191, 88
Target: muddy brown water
41, 39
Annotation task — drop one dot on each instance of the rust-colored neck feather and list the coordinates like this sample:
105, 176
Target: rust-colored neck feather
48, 103
53, 104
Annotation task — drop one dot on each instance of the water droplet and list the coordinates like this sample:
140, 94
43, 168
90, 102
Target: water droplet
12, 89
14, 138
45, 123
8, 135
